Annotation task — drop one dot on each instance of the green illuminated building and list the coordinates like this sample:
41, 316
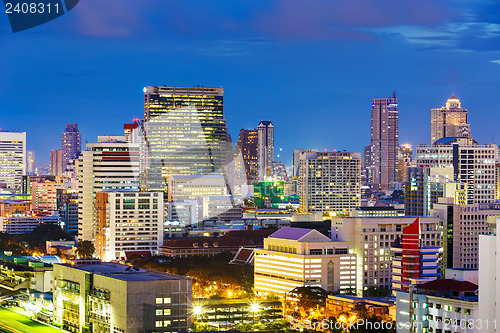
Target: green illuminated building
185, 133
268, 193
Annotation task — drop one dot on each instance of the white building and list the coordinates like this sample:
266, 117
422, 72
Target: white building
462, 225
473, 164
296, 257
439, 306
489, 276
371, 238
127, 222
12, 159
111, 163
330, 182
185, 187
462, 274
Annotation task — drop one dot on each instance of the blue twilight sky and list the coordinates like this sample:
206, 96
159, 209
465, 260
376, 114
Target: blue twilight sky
311, 66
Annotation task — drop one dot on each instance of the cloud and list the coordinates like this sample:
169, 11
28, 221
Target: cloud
495, 61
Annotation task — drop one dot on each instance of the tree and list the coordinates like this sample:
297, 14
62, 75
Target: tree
85, 249
309, 297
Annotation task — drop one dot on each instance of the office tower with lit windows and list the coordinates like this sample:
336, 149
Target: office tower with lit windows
71, 144
405, 157
248, 145
12, 159
449, 121
330, 182
473, 164
56, 162
185, 133
111, 163
265, 148
384, 141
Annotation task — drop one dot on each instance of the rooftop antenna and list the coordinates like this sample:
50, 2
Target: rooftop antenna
394, 94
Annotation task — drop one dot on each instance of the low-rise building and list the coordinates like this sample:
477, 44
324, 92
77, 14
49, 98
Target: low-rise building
110, 297
438, 306
299, 257
18, 273
23, 223
337, 305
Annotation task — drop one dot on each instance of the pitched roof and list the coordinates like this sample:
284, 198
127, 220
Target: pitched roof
449, 284
300, 234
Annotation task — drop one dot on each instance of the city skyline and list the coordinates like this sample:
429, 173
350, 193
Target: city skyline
268, 68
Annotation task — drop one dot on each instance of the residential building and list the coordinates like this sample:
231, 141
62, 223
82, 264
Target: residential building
330, 182
127, 222
56, 162
489, 275
23, 223
462, 225
71, 144
67, 205
16, 206
44, 195
111, 163
185, 133
449, 121
185, 187
473, 164
248, 144
20, 273
462, 274
300, 257
110, 297
371, 239
12, 160
265, 148
384, 141
412, 262
439, 306
338, 305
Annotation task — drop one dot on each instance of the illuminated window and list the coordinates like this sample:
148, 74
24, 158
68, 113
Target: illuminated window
159, 312
166, 312
159, 323
166, 323
159, 300
167, 300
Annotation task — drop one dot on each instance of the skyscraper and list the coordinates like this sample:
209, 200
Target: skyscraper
449, 121
30, 161
248, 144
185, 133
71, 144
330, 182
12, 159
405, 156
384, 141
111, 163
56, 162
265, 147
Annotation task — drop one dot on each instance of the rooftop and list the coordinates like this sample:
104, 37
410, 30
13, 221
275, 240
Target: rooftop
127, 273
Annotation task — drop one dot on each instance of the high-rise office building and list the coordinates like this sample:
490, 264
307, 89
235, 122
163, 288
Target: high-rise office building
71, 144
405, 157
366, 166
330, 182
248, 144
265, 149
473, 165
56, 162
185, 133
462, 225
111, 163
30, 161
384, 141
449, 121
12, 159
